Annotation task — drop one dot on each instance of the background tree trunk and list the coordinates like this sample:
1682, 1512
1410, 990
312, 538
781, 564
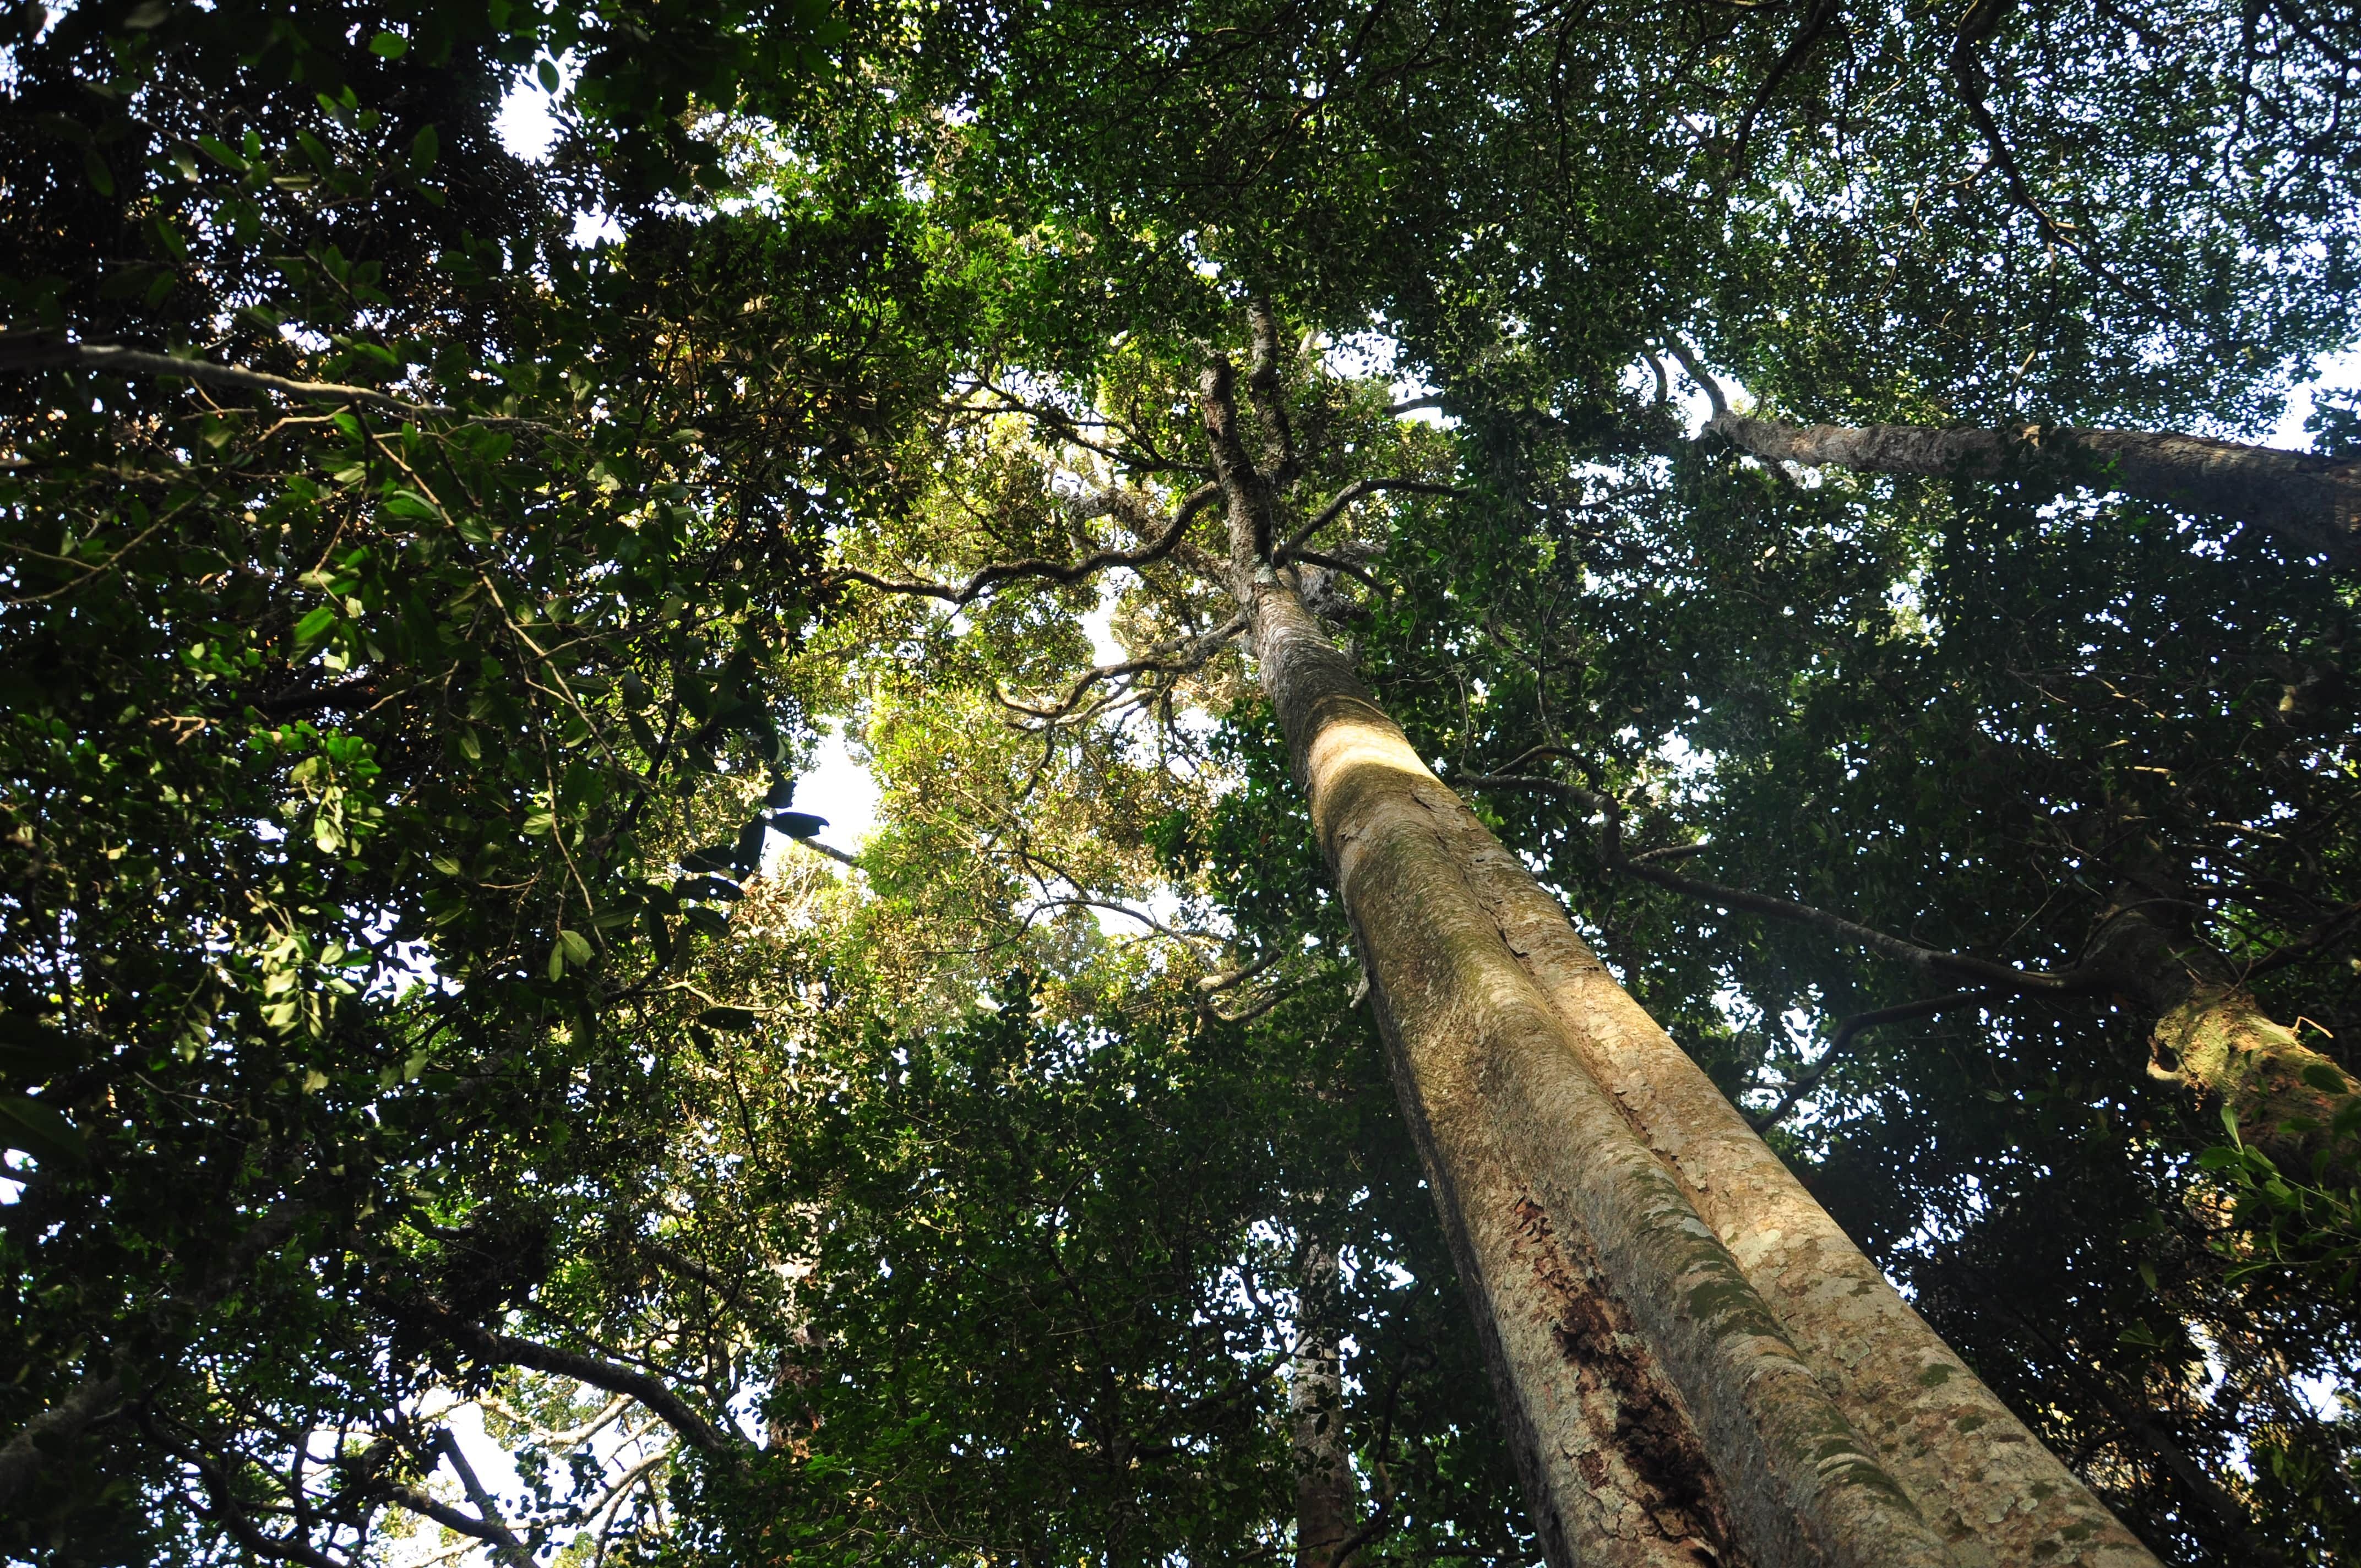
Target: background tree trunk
1316, 1414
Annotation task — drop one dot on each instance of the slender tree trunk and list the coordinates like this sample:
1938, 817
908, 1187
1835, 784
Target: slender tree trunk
1316, 1414
1737, 1389
2213, 1039
2313, 503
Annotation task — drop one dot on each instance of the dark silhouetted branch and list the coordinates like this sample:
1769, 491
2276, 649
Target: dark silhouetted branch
988, 577
1293, 548
46, 350
1851, 1030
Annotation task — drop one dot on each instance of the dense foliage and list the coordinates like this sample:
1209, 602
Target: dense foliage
414, 1001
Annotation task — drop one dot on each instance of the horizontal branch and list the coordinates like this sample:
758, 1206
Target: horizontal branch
49, 350
1345, 497
2337, 924
484, 1344
992, 576
1338, 563
816, 847
1178, 657
1987, 972
2313, 502
1206, 986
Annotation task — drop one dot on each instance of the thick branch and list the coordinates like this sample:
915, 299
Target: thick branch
1697, 373
1281, 463
1345, 497
508, 1350
495, 1529
1817, 22
1001, 572
1246, 493
20, 1460
2312, 502
427, 1507
1206, 986
44, 350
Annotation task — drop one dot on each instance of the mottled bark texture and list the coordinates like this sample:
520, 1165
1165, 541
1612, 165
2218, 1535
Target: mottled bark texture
2212, 1038
2312, 503
1315, 1415
1696, 1366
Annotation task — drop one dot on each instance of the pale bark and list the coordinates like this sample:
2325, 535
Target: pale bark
2312, 502
2220, 1043
2213, 1039
1986, 1482
1315, 1416
1662, 1406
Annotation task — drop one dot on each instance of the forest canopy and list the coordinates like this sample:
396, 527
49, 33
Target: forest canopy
1616, 768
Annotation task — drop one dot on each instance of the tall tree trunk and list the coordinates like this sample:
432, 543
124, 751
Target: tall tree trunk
2212, 1038
2313, 503
1736, 1385
1316, 1414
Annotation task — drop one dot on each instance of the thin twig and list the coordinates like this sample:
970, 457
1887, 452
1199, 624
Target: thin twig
1847, 1032
2075, 982
999, 572
1345, 497
44, 350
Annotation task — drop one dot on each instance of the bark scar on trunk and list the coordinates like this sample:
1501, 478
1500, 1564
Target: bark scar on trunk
1679, 1496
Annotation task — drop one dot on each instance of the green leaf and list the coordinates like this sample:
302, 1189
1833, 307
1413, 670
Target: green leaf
40, 1130
2326, 1079
424, 147
577, 946
390, 46
405, 503
314, 626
